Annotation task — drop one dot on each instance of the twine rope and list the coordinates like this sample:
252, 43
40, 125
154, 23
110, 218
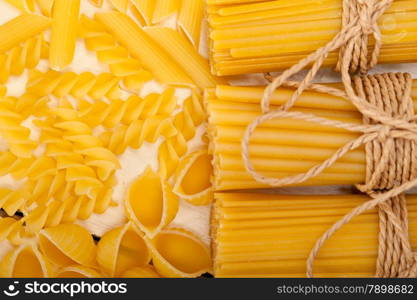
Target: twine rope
385, 134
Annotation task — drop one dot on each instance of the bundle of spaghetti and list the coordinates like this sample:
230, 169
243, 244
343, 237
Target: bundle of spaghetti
275, 35
84, 85
186, 122
265, 235
281, 147
110, 52
25, 56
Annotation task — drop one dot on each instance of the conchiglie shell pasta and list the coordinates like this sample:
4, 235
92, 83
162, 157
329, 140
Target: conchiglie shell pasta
150, 203
121, 249
24, 261
77, 271
179, 253
68, 244
193, 178
141, 272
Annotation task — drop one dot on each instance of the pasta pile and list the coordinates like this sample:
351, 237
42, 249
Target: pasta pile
261, 235
281, 147
64, 137
264, 36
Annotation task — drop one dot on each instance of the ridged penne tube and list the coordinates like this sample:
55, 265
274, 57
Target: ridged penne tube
141, 272
266, 235
65, 15
150, 203
252, 37
164, 9
141, 46
121, 249
179, 253
23, 262
145, 9
23, 5
68, 244
185, 55
190, 20
20, 29
193, 178
120, 5
45, 6
77, 271
281, 147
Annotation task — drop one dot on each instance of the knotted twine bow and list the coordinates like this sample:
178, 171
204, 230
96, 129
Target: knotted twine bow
385, 130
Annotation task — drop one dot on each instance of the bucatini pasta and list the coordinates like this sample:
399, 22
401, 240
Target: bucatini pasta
274, 35
281, 147
261, 235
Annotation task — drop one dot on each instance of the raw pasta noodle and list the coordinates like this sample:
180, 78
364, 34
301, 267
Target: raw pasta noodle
68, 244
265, 235
97, 3
150, 203
144, 9
84, 85
179, 253
223, 2
31, 6
277, 145
25, 261
185, 55
20, 29
16, 135
193, 178
122, 249
142, 47
25, 56
186, 123
45, 6
120, 5
165, 9
274, 35
64, 33
110, 52
11, 229
190, 20
126, 112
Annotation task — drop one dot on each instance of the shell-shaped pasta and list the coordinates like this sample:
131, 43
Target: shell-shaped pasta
193, 178
150, 203
77, 271
121, 249
141, 272
68, 244
179, 253
24, 261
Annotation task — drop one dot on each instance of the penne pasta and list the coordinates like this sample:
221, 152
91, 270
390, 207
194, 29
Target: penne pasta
20, 29
141, 46
64, 33
190, 20
145, 9
164, 9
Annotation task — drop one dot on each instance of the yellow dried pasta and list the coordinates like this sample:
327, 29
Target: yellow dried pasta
121, 249
64, 33
190, 20
143, 10
142, 47
141, 272
68, 244
23, 262
25, 56
150, 203
164, 9
77, 271
20, 29
193, 178
179, 253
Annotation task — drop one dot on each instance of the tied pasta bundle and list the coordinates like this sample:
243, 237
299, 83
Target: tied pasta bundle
281, 147
261, 235
264, 36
